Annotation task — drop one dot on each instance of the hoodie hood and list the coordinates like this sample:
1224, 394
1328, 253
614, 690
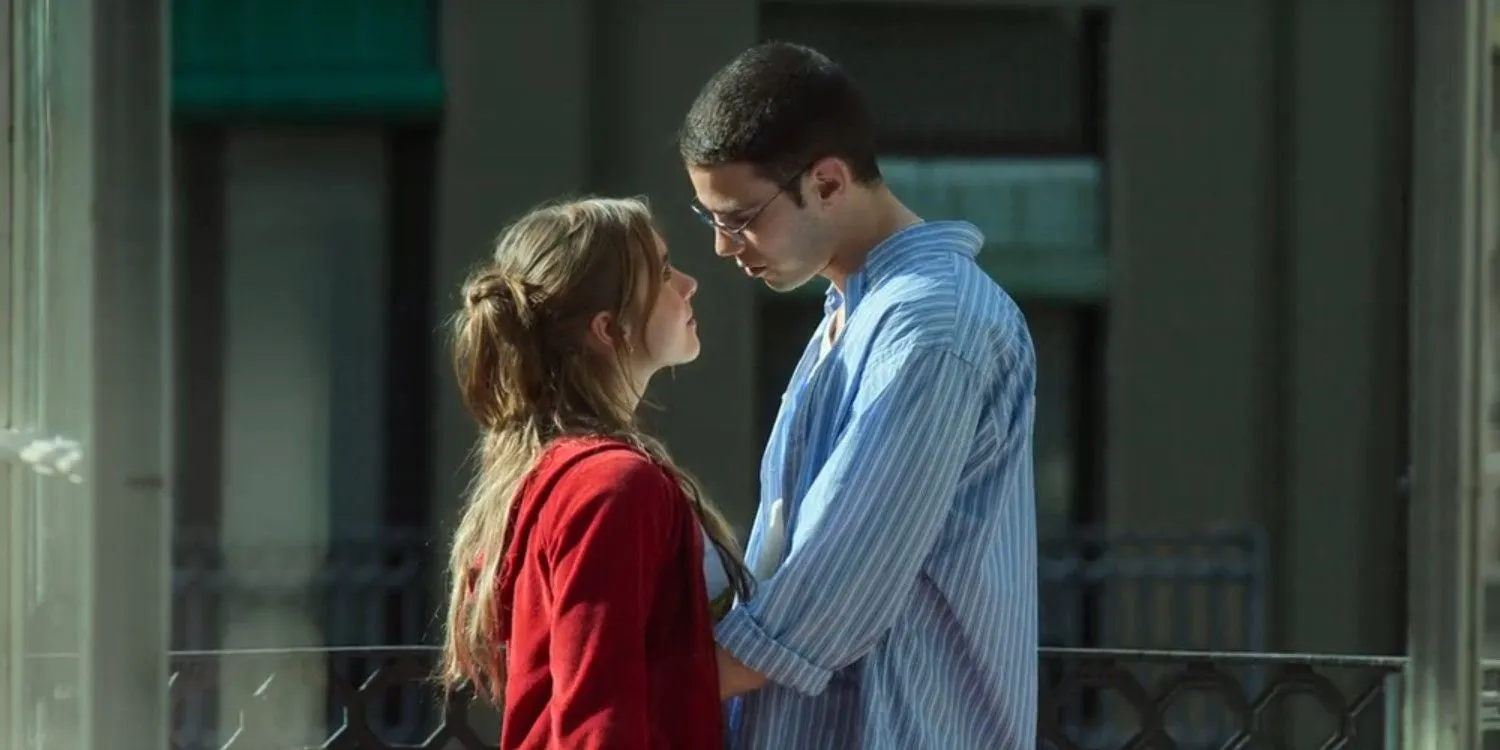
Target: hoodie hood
531, 500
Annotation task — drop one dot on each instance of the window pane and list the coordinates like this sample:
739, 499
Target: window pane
957, 78
1043, 219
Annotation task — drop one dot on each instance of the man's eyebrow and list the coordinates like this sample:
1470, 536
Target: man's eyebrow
729, 210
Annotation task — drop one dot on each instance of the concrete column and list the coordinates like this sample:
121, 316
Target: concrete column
1192, 222
10, 345
129, 580
650, 65
1489, 337
303, 235
511, 141
1257, 303
516, 126
86, 237
1341, 519
356, 299
515, 132
1445, 599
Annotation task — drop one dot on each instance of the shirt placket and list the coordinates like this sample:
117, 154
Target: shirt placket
783, 452
797, 475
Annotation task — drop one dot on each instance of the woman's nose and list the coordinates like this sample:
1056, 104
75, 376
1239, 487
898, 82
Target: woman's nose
689, 285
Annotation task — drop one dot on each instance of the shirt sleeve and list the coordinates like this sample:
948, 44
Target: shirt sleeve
607, 555
866, 524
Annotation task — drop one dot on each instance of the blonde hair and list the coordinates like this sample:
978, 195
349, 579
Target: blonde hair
528, 378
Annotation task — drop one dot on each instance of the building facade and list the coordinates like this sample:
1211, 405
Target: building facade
1206, 231
1221, 219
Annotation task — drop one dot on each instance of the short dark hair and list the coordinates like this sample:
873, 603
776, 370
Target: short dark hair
779, 107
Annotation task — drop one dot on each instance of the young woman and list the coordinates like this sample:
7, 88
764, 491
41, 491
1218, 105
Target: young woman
579, 601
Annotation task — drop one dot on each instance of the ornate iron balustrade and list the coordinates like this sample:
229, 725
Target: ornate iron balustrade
1203, 591
1162, 700
383, 699
1199, 591
360, 590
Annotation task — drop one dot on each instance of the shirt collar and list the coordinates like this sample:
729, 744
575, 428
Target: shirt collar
918, 240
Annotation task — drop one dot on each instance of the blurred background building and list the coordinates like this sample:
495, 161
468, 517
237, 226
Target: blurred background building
1205, 230
1202, 207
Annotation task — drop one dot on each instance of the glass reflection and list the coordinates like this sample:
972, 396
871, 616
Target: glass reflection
44, 518
1487, 431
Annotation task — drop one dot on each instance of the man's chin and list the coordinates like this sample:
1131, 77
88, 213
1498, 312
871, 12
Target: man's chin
783, 284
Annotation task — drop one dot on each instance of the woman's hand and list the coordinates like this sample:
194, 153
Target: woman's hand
736, 678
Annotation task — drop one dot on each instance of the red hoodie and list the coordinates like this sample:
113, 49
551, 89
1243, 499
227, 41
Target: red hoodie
604, 608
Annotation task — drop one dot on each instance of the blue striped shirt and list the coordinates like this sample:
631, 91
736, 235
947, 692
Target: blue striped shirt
902, 614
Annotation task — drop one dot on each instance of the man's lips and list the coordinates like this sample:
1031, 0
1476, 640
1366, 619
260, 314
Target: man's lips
750, 269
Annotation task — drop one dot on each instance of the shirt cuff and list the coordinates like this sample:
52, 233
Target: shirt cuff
742, 636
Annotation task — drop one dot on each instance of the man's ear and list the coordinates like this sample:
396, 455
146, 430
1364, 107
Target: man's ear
830, 178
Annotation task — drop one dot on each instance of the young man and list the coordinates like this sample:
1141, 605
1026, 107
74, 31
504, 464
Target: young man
896, 535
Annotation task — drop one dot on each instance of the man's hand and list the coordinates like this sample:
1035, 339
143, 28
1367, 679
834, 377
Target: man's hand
736, 678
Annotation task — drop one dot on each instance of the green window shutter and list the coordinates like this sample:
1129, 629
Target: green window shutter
1042, 219
299, 58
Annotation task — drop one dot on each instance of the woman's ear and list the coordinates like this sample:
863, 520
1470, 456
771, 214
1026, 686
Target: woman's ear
600, 335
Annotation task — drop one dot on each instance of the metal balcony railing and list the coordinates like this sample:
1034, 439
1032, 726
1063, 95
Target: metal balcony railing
1142, 591
1201, 591
383, 699
358, 591
1204, 591
1106, 699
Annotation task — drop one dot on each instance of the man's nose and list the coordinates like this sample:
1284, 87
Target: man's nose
726, 246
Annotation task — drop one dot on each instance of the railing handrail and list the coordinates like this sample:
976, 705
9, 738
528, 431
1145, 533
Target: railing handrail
1235, 657
1252, 658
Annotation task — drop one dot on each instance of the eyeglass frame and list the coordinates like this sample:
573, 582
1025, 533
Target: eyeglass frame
737, 234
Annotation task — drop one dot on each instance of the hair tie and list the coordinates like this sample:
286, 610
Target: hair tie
522, 299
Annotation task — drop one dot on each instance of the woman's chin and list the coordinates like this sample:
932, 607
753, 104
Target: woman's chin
690, 349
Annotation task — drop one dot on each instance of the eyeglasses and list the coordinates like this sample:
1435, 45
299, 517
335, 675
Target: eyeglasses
737, 232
